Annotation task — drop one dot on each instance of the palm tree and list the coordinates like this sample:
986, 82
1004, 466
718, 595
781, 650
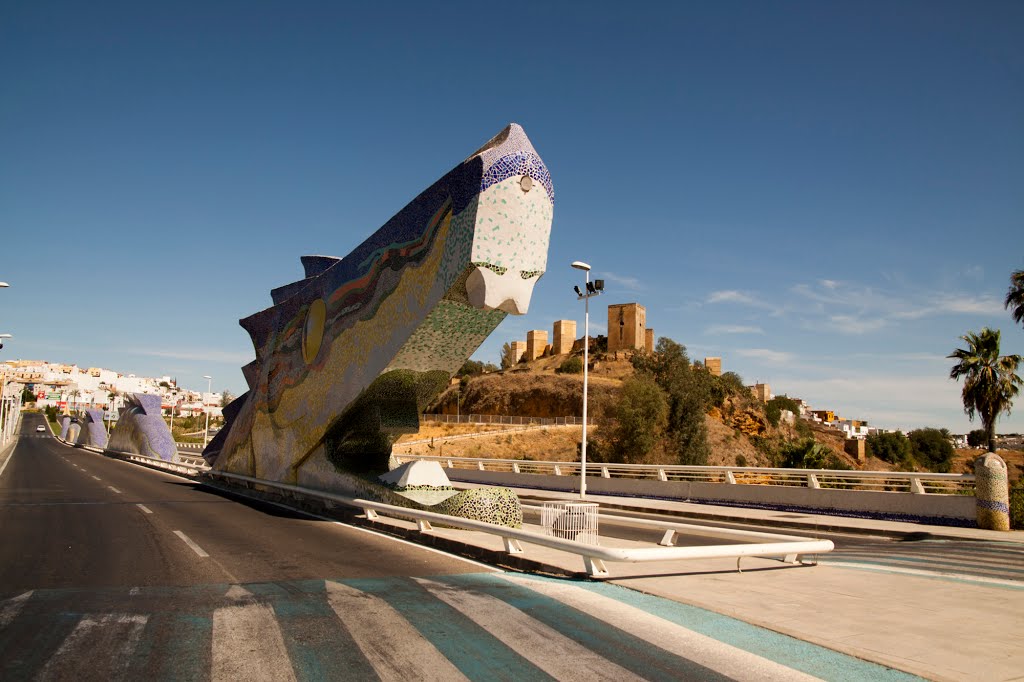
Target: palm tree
990, 380
1015, 296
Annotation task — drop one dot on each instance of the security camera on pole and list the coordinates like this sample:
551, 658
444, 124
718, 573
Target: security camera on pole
591, 289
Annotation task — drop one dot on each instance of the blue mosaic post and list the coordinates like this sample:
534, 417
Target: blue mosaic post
141, 429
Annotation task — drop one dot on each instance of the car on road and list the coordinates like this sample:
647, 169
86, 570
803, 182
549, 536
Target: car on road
40, 428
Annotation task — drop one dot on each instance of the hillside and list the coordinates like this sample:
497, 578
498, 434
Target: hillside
738, 433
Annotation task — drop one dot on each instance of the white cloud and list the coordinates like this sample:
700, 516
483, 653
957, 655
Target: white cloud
828, 283
851, 324
630, 283
730, 296
734, 329
775, 357
204, 355
972, 305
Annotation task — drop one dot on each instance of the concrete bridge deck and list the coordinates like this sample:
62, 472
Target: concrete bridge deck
929, 618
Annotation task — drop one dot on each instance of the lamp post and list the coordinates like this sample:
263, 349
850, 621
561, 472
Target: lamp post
590, 290
206, 431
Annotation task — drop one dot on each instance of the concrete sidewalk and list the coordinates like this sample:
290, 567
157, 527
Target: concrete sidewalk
938, 628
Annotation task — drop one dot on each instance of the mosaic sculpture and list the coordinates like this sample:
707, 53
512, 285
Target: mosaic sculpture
347, 358
92, 433
992, 492
65, 423
141, 429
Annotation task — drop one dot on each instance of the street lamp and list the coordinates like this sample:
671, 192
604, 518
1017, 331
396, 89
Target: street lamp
590, 290
2, 337
206, 431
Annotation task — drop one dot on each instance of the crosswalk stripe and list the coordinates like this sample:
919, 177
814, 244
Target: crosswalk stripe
545, 647
12, 607
394, 648
724, 659
247, 645
115, 633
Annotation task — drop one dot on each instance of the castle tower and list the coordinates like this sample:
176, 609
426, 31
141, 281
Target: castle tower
714, 366
518, 350
536, 341
565, 335
627, 327
649, 340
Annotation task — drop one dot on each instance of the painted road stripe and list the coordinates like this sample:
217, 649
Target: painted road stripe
247, 645
114, 489
106, 642
144, 508
390, 644
470, 648
12, 607
545, 647
317, 643
188, 541
648, 646
788, 651
97, 478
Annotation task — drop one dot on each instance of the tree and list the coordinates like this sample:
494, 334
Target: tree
640, 416
506, 356
27, 396
226, 397
1015, 296
976, 438
774, 407
990, 380
931, 449
892, 447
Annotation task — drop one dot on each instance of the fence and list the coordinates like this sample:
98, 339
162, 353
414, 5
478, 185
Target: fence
888, 481
502, 419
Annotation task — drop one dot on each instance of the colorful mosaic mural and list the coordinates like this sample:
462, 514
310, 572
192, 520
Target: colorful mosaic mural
141, 429
92, 433
348, 356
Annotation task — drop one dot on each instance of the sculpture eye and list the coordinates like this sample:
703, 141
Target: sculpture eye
496, 269
530, 274
313, 330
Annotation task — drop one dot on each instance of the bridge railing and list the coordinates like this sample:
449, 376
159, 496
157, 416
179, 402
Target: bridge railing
886, 481
744, 543
511, 420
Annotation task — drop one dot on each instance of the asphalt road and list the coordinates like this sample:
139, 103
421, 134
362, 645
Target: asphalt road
920, 554
114, 571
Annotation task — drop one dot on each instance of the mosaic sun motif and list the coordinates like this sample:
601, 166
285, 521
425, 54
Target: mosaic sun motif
348, 356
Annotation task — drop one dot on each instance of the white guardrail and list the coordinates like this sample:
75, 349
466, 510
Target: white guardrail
889, 481
789, 547
502, 419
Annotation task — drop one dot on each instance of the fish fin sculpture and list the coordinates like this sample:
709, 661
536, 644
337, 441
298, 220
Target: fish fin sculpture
348, 356
141, 429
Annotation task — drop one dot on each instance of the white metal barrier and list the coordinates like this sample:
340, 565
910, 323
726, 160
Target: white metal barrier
594, 556
889, 481
502, 419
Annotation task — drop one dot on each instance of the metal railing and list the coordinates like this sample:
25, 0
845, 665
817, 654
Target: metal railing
512, 420
480, 434
594, 557
888, 481
188, 446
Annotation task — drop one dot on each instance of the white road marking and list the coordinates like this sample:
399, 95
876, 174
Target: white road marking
726, 659
97, 478
247, 645
144, 508
12, 607
114, 489
545, 647
391, 645
114, 633
7, 461
188, 541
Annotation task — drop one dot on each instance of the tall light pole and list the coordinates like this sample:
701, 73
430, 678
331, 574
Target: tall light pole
590, 290
206, 431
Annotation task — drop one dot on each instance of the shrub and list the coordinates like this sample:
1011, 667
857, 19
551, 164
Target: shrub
892, 447
571, 365
1017, 506
741, 461
931, 449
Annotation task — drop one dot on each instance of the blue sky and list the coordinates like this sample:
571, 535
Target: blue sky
827, 195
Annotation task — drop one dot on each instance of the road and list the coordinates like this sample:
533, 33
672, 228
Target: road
113, 571
957, 560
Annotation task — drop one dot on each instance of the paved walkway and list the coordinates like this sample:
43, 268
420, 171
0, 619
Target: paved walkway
938, 627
